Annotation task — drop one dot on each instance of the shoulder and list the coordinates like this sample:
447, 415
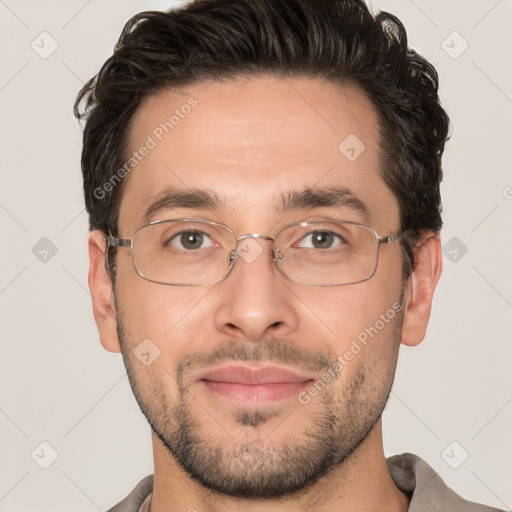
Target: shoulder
135, 499
425, 487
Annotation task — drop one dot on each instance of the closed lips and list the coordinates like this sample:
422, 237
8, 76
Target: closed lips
254, 375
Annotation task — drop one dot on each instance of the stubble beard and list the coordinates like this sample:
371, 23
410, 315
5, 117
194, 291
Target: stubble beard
251, 465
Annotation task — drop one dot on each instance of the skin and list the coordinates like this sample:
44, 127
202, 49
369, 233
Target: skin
249, 140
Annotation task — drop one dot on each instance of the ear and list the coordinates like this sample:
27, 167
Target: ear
420, 289
100, 284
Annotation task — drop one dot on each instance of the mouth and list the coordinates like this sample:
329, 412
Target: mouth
255, 385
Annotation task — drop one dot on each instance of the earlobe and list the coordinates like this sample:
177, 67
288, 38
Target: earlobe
420, 290
102, 294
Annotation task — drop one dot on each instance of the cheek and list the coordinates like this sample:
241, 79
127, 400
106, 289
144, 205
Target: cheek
367, 347
157, 323
349, 312
164, 314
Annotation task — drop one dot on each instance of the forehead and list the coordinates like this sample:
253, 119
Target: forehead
250, 141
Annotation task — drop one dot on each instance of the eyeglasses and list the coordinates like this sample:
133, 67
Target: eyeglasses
188, 252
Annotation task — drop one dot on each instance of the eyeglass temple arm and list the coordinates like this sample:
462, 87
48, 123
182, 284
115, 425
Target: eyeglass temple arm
118, 242
388, 239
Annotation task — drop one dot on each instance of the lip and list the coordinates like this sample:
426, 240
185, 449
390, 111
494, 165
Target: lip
254, 384
253, 374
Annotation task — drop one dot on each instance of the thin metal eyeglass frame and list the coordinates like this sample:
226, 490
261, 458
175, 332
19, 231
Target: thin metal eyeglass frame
233, 255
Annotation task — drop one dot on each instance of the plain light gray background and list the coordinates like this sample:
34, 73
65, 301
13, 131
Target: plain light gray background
59, 386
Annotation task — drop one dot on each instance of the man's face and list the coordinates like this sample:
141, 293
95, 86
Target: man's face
252, 143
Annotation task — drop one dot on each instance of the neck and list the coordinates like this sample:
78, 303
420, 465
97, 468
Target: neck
361, 483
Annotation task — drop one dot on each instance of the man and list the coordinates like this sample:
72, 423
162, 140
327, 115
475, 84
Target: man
262, 180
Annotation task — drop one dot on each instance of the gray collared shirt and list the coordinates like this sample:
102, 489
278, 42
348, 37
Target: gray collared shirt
411, 475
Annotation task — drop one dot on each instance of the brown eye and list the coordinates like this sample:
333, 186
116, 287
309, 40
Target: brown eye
320, 240
190, 240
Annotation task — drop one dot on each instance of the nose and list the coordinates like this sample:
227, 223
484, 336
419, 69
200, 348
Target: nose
255, 299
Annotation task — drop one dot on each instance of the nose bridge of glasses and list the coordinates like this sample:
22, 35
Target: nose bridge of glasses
239, 241
254, 235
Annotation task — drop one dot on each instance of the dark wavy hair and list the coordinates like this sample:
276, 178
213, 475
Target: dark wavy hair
338, 40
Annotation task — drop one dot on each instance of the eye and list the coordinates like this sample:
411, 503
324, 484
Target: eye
321, 240
190, 240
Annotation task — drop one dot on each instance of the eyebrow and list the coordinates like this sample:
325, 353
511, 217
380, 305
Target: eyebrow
173, 198
307, 199
318, 197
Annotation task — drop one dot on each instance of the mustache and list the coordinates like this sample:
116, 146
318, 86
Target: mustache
275, 350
